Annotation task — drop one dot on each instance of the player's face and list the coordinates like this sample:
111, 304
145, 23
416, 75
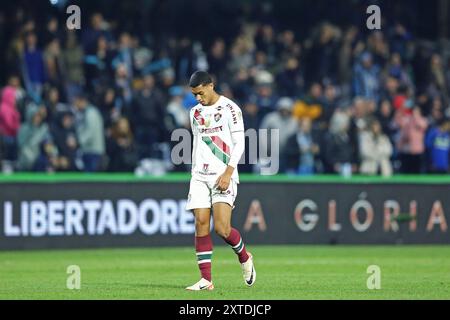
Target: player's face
203, 94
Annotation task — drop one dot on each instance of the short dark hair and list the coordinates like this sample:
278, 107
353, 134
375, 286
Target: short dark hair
200, 78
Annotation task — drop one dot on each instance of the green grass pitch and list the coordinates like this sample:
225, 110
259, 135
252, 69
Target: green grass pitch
283, 272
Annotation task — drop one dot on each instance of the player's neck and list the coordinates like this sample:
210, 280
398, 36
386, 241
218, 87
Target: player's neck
214, 100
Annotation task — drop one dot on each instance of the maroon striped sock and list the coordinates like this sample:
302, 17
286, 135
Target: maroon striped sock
236, 243
204, 248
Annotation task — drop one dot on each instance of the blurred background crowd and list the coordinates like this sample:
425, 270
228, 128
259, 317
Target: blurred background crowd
107, 97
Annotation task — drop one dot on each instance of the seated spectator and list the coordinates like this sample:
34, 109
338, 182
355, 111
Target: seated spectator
121, 148
90, 134
438, 147
31, 136
375, 150
301, 150
48, 159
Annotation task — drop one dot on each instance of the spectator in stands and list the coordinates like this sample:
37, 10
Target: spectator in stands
310, 105
148, 114
53, 104
290, 81
366, 78
438, 147
110, 107
54, 63
301, 150
282, 121
385, 115
90, 134
375, 150
412, 126
9, 127
265, 97
35, 73
48, 159
217, 59
340, 153
98, 65
176, 109
121, 148
31, 136
72, 56
65, 140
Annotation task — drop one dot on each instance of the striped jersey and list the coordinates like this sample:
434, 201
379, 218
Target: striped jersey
212, 127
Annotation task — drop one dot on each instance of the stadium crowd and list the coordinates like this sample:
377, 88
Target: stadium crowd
346, 100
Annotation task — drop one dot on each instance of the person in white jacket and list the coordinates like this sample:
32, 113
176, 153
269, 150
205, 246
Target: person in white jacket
375, 150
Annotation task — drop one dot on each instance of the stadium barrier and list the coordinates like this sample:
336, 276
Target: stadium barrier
73, 211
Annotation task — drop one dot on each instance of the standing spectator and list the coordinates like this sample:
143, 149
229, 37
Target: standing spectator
301, 150
121, 149
98, 66
438, 147
217, 59
176, 109
54, 64
375, 150
90, 133
290, 81
412, 126
73, 56
310, 105
148, 114
366, 81
282, 121
9, 127
125, 55
322, 57
53, 104
339, 154
252, 120
34, 68
31, 136
385, 115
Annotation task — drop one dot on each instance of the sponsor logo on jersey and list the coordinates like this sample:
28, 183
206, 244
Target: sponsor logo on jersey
211, 130
233, 113
205, 167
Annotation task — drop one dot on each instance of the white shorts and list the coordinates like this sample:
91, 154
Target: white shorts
203, 194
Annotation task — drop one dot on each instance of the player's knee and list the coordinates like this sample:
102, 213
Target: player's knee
222, 231
202, 225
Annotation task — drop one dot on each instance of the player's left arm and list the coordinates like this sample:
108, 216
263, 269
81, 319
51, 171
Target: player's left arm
236, 126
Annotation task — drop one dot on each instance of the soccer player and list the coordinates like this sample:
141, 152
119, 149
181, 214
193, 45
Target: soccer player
219, 143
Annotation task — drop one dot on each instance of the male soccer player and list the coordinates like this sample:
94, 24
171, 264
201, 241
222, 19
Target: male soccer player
219, 143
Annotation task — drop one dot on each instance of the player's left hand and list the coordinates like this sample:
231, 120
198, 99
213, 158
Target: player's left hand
223, 182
